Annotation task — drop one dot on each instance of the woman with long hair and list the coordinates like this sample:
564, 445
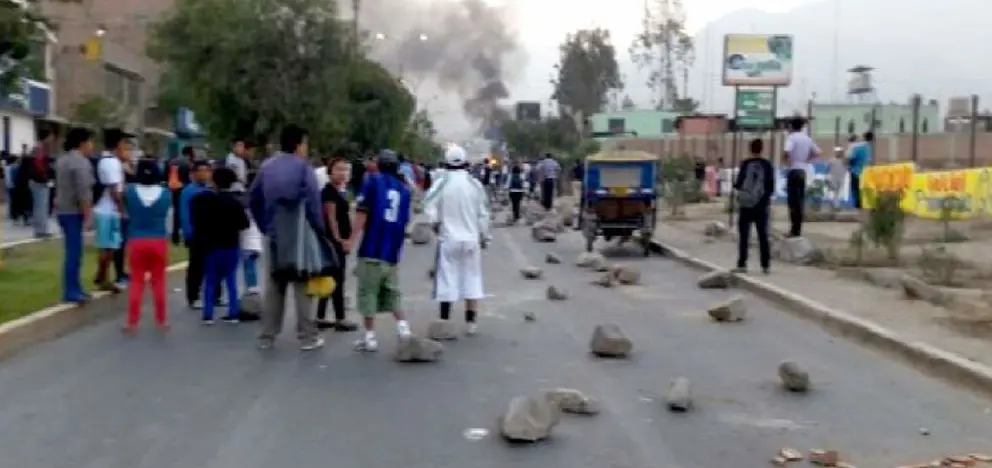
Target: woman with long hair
147, 202
337, 217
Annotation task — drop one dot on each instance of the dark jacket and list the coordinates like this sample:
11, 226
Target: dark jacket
769, 178
218, 219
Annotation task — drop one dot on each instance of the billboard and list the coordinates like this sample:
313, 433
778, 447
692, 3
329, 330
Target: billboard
757, 60
529, 111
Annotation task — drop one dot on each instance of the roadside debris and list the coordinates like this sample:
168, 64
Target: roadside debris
552, 259
794, 378
442, 330
716, 280
417, 349
421, 233
529, 419
573, 401
608, 340
627, 274
606, 280
732, 310
679, 396
532, 272
589, 259
530, 317
555, 293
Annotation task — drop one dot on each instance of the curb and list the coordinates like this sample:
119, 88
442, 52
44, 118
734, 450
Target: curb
922, 356
52, 322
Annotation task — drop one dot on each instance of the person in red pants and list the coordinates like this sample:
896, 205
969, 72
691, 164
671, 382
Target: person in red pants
147, 203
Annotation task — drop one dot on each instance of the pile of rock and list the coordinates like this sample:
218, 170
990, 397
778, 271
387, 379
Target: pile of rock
532, 418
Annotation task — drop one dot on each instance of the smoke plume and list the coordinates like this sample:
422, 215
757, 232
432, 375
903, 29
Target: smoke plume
467, 48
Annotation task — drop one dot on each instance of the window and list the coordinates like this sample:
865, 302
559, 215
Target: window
902, 125
616, 126
122, 87
667, 126
850, 127
924, 126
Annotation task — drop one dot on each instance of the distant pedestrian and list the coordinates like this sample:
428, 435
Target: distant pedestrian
286, 180
754, 187
383, 213
337, 216
547, 175
860, 158
74, 180
460, 208
218, 218
180, 169
147, 203
837, 172
237, 161
201, 174
38, 171
516, 187
800, 149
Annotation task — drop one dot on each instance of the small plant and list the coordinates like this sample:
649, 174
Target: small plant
949, 207
677, 177
886, 223
815, 194
939, 267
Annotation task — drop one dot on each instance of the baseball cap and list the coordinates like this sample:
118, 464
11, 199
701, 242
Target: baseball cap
455, 156
387, 156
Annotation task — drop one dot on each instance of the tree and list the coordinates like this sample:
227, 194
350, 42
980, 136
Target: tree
628, 103
23, 31
97, 112
587, 71
249, 67
665, 49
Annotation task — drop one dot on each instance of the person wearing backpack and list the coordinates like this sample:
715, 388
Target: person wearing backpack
754, 187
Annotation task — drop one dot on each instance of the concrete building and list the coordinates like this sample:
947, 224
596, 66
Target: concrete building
118, 69
890, 119
642, 122
24, 109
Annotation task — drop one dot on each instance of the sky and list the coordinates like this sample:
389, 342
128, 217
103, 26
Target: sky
542, 26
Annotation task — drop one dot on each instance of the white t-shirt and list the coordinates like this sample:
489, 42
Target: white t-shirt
111, 174
801, 149
323, 178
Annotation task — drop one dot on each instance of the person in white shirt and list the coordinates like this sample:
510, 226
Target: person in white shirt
237, 161
800, 149
109, 210
459, 208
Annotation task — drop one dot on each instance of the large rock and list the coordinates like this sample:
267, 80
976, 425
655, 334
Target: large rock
421, 234
715, 229
732, 310
716, 280
606, 280
608, 340
529, 419
542, 233
531, 272
794, 378
915, 288
589, 259
679, 395
625, 274
555, 293
799, 250
442, 330
532, 212
417, 349
573, 401
601, 265
552, 259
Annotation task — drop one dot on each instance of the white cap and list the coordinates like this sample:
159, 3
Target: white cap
455, 155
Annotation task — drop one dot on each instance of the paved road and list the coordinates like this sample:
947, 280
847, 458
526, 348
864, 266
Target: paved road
204, 397
14, 233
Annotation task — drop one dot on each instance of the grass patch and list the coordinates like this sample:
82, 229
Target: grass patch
31, 276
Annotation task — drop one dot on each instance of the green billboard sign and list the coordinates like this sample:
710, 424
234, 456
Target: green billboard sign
755, 109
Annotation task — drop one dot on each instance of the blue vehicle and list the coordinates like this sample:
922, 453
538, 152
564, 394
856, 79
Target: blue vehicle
619, 197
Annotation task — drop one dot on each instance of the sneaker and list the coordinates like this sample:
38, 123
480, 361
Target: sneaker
403, 329
471, 328
265, 343
232, 319
368, 344
208, 322
313, 344
196, 305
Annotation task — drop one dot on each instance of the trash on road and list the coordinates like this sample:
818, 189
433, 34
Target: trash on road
475, 433
824, 457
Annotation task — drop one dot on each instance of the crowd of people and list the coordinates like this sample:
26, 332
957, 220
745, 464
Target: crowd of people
29, 181
229, 213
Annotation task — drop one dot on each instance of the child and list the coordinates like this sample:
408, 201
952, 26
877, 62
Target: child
148, 206
218, 218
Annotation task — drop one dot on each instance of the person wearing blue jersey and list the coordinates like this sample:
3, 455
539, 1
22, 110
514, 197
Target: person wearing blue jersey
382, 214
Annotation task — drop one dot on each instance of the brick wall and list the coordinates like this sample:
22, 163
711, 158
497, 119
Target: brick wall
934, 151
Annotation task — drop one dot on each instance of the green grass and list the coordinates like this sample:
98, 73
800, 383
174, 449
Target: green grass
31, 276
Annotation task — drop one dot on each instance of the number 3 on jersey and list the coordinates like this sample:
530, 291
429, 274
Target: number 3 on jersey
392, 211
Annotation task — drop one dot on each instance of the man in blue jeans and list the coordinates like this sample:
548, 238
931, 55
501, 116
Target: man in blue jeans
74, 203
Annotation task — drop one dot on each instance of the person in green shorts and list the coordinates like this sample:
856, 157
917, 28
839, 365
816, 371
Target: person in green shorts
383, 210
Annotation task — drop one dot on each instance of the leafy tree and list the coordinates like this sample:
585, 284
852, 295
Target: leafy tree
665, 49
22, 32
97, 112
587, 71
628, 103
249, 67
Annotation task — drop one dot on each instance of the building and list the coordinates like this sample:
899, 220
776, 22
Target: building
645, 124
101, 56
843, 120
29, 106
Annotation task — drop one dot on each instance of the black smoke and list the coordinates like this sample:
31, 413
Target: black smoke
469, 48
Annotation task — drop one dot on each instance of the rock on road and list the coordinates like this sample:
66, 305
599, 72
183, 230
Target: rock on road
204, 397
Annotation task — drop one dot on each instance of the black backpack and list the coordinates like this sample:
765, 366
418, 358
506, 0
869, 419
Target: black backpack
752, 190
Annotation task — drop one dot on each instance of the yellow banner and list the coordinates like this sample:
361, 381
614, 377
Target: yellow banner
968, 192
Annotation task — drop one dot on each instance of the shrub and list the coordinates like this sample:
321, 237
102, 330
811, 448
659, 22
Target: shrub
886, 223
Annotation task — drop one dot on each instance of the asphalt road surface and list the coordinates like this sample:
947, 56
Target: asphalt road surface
206, 398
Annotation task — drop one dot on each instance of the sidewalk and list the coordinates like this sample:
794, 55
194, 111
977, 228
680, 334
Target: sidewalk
915, 320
